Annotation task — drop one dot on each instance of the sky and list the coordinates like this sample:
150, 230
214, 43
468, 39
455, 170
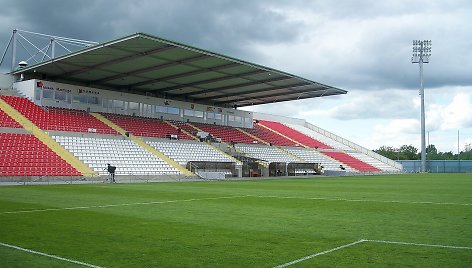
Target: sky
361, 46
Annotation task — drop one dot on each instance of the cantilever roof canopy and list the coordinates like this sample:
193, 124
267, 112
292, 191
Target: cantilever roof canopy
145, 64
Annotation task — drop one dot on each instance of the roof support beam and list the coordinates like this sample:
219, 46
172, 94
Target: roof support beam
252, 91
239, 85
118, 60
151, 68
310, 89
213, 80
164, 79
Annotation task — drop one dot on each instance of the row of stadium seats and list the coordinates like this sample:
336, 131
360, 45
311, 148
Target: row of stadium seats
372, 161
183, 152
266, 153
352, 162
185, 127
7, 121
37, 171
270, 136
57, 118
293, 134
225, 133
143, 126
312, 156
317, 136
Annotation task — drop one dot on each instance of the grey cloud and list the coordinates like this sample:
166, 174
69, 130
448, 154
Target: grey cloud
381, 59
228, 27
385, 104
392, 104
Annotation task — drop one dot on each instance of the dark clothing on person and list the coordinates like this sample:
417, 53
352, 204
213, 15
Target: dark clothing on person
111, 169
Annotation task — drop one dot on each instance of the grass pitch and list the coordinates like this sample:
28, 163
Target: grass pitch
265, 223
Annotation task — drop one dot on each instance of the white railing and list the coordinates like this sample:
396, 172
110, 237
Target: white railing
354, 146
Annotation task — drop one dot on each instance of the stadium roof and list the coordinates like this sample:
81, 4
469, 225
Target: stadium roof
145, 64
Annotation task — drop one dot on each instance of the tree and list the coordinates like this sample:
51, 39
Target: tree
432, 153
431, 149
408, 152
388, 152
467, 155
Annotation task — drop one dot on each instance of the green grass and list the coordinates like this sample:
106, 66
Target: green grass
253, 228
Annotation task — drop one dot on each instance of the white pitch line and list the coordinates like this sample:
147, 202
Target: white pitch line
120, 205
359, 200
49, 255
372, 241
416, 244
319, 254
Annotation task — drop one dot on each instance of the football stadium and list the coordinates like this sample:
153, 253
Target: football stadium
137, 152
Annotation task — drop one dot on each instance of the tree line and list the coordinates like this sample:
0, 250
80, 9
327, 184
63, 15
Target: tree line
409, 152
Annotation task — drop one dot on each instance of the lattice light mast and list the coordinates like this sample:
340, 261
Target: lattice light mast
421, 54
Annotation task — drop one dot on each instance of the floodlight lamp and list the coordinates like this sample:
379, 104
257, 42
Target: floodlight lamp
22, 64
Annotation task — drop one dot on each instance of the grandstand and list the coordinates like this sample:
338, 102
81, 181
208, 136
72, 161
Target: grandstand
159, 109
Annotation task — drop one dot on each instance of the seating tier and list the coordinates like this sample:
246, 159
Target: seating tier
225, 133
7, 121
311, 156
183, 152
147, 127
270, 136
293, 134
58, 118
25, 155
127, 156
373, 162
320, 137
266, 153
352, 162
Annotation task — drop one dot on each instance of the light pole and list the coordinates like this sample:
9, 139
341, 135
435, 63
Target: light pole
421, 54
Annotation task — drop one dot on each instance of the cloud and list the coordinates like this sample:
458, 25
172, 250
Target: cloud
453, 115
372, 50
229, 27
357, 104
379, 104
396, 132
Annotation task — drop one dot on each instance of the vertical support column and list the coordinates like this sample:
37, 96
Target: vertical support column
53, 48
421, 54
423, 121
13, 51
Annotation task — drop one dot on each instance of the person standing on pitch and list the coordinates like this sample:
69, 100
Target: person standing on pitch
111, 169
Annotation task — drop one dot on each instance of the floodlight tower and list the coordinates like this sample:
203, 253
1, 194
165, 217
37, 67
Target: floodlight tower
421, 54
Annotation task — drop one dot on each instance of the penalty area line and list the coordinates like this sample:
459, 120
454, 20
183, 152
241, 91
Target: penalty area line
371, 241
319, 254
416, 244
49, 255
360, 200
